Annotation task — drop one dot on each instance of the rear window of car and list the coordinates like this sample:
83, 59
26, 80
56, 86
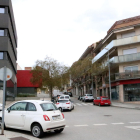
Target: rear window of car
62, 97
104, 98
48, 107
62, 101
89, 95
67, 97
98, 98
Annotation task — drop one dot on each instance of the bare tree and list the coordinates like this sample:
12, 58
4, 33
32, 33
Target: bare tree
49, 73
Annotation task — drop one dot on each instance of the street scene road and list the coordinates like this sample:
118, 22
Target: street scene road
87, 121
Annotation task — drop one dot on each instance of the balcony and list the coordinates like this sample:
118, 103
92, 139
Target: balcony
123, 76
125, 58
115, 43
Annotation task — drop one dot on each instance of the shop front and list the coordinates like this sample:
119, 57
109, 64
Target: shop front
132, 92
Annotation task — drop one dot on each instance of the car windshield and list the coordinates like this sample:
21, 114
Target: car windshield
105, 98
48, 107
62, 97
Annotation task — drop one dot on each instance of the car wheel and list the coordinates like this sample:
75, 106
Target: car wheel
37, 130
60, 109
93, 103
59, 131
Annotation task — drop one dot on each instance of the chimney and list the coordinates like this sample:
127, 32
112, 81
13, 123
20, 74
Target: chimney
28, 68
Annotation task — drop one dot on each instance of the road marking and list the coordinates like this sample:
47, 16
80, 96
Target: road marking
80, 125
78, 104
83, 103
117, 123
66, 126
134, 127
134, 122
100, 124
89, 103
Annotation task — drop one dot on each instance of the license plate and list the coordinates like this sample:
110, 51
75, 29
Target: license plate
56, 117
106, 103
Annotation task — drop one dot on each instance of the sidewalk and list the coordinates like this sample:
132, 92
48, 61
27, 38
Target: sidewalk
16, 135
129, 105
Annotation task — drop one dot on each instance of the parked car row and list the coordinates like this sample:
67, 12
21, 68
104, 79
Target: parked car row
102, 100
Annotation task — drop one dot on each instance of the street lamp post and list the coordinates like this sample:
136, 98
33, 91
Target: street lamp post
109, 74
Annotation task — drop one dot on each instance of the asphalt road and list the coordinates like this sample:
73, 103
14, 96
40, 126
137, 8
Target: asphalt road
87, 122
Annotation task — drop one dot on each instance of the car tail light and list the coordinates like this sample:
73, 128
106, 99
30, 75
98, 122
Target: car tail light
86, 97
46, 118
57, 103
68, 103
63, 115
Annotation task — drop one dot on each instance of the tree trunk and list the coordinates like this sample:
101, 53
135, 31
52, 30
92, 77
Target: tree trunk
51, 92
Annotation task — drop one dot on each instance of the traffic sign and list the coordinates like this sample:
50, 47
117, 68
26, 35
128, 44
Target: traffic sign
8, 74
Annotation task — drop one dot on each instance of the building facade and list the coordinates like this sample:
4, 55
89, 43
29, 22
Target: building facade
122, 43
8, 46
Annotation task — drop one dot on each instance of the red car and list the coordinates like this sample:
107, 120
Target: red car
102, 100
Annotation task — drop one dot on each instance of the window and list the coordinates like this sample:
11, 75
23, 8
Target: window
48, 107
130, 68
2, 10
1, 55
129, 51
1, 32
62, 97
21, 106
31, 107
128, 34
62, 101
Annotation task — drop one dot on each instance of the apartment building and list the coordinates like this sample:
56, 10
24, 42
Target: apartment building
8, 46
82, 82
123, 43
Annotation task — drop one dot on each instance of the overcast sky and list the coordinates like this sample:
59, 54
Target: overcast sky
63, 29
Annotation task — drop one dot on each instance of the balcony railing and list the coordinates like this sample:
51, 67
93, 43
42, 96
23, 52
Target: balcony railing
125, 58
115, 43
124, 76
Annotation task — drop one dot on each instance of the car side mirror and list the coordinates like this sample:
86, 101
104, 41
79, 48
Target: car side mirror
8, 110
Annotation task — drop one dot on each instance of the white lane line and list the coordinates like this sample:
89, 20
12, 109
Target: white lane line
100, 124
80, 125
117, 123
78, 104
83, 104
66, 126
134, 122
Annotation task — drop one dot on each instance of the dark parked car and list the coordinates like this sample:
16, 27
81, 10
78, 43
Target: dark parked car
70, 94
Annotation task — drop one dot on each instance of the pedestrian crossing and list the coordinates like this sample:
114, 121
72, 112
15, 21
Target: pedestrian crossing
83, 104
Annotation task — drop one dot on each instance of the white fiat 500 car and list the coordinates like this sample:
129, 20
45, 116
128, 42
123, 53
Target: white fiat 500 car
64, 97
64, 105
35, 116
